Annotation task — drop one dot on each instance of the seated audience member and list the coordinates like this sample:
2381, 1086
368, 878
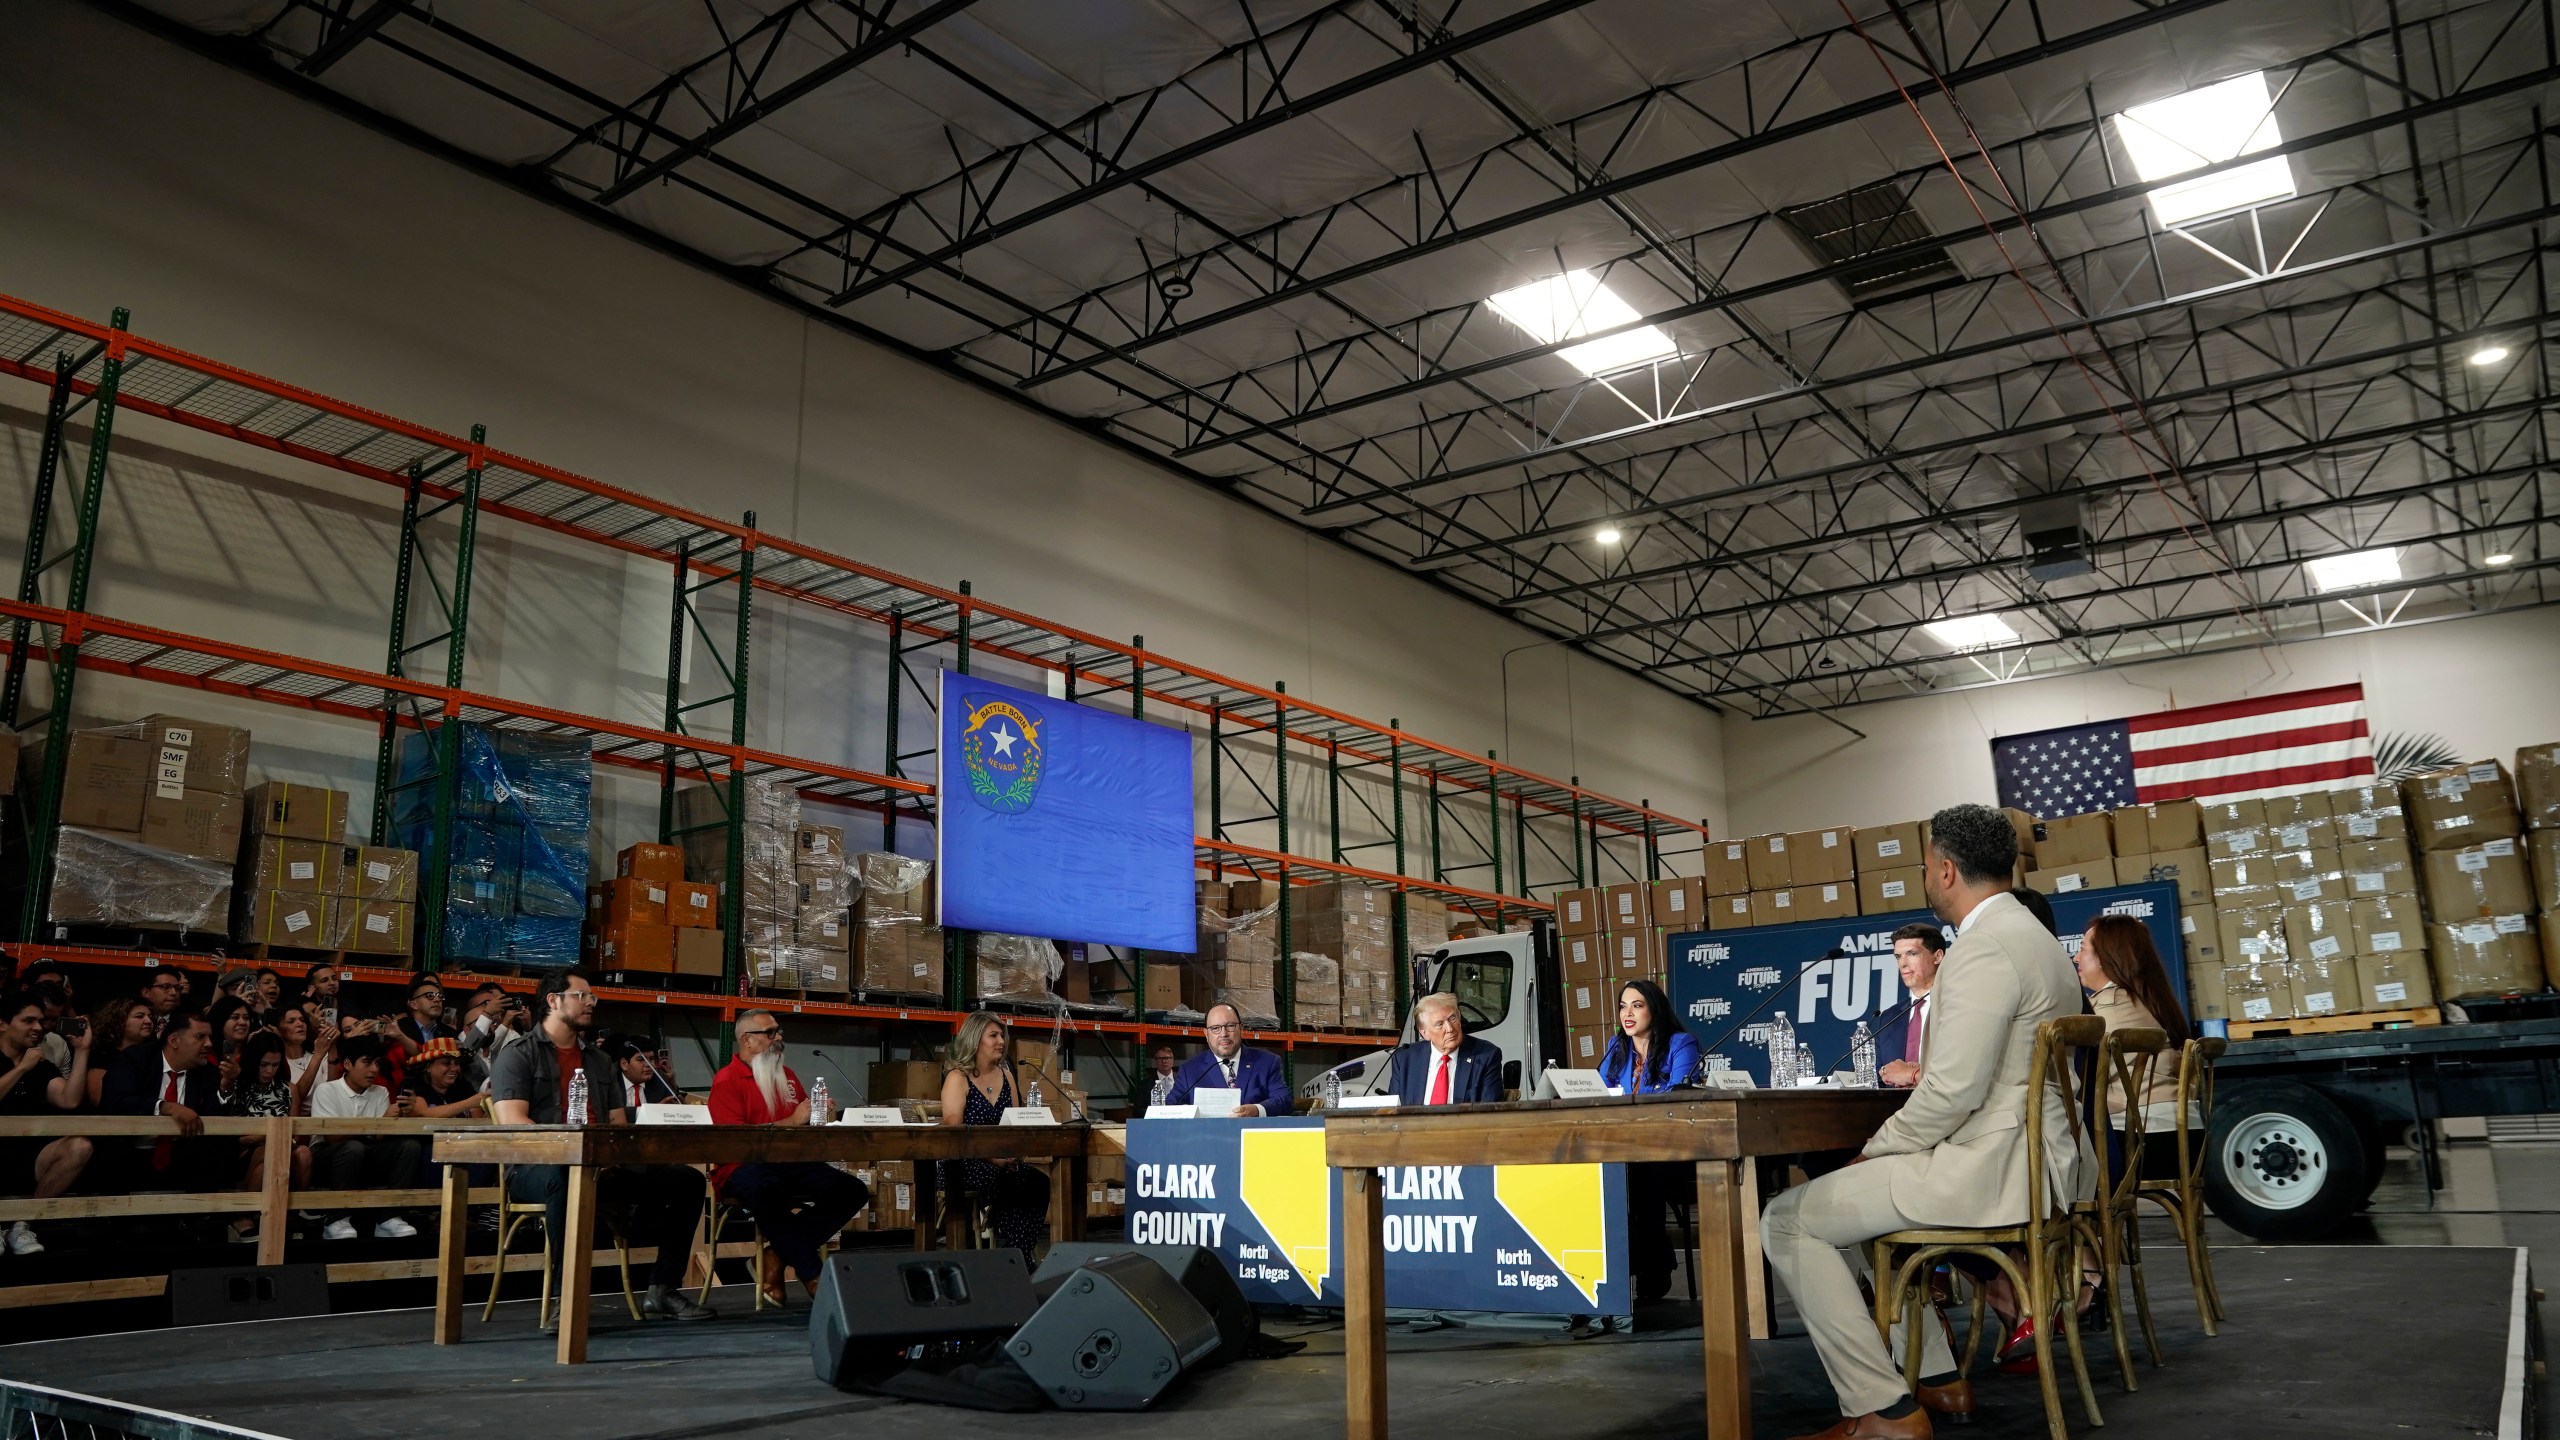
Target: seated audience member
320, 988
1919, 948
176, 1080
436, 1090
266, 1093
662, 1204
424, 1022
799, 1205
493, 1019
643, 1082
977, 1088
308, 1057
167, 992
118, 1026
1446, 1066
268, 994
34, 1166
53, 992
362, 1162
1229, 1064
2129, 988
1155, 1082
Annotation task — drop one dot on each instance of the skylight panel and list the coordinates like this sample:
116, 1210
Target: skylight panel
1577, 303
2355, 570
1972, 632
2207, 126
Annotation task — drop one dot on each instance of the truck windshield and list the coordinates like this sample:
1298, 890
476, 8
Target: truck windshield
1482, 984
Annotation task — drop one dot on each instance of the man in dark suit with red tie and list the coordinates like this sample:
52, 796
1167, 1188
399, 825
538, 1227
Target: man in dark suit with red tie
172, 1077
1917, 949
1446, 1066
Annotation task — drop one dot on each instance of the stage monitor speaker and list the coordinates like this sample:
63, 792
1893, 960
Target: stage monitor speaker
1113, 1336
220, 1294
1197, 1267
874, 1306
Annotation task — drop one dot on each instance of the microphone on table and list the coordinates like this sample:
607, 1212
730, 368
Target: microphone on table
1875, 1035
1792, 981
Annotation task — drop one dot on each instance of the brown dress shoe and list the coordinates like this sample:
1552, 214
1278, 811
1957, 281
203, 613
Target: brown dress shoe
1952, 1402
769, 1279
1914, 1426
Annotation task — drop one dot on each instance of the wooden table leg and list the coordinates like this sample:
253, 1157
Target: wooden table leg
453, 1232
1724, 1292
1364, 1307
275, 1190
1069, 1183
577, 1264
1755, 1266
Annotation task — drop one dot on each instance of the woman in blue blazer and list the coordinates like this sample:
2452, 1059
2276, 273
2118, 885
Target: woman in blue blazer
1651, 1052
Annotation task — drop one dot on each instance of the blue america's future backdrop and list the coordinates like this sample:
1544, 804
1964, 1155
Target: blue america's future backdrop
1062, 821
1719, 978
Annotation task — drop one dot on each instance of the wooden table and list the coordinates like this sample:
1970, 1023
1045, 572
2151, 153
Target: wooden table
588, 1149
1721, 1131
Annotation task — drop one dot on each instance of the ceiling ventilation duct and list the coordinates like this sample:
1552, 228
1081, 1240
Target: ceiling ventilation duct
2056, 533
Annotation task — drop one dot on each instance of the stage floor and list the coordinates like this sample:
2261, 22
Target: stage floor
2324, 1342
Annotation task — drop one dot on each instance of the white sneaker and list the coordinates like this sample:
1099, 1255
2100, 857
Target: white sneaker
23, 1241
394, 1228
339, 1229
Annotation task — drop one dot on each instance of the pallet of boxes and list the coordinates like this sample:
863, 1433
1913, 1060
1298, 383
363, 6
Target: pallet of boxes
514, 871
2317, 917
301, 886
2485, 883
1342, 949
149, 825
897, 949
647, 920
777, 955
1237, 961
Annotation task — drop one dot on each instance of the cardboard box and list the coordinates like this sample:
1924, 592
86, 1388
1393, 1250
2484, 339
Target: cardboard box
2323, 930
2292, 865
300, 812
378, 872
2258, 992
1578, 912
2386, 925
2252, 874
1729, 912
2485, 958
622, 901
375, 927
2367, 812
1775, 907
1830, 900
2542, 856
2200, 938
2207, 999
1590, 1004
637, 946
1163, 988
2300, 808
826, 972
310, 867
2222, 816
2023, 825
1769, 864
2479, 881
1584, 1047
2314, 834
2068, 879
192, 755
106, 878
200, 824
2462, 806
1882, 892
2394, 982
1635, 954
692, 905
824, 927
2189, 869
2252, 936
1348, 897
893, 1080
1679, 904
1728, 867
1625, 907
1584, 956
818, 845
700, 952
2245, 843
2378, 867
1889, 847
827, 885
2538, 785
2067, 841
2325, 987
104, 778
1818, 856
284, 917
649, 860
2311, 888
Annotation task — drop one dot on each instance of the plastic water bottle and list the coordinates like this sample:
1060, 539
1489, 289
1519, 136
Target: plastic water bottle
576, 1113
820, 1110
1159, 1090
1782, 1054
1332, 1089
1862, 1055
1032, 1097
1804, 1063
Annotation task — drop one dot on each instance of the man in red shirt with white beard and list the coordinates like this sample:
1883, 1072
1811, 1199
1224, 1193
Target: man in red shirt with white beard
801, 1205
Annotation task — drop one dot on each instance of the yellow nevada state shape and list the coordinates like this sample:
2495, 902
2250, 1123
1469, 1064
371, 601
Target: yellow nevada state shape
1287, 1187
1561, 1206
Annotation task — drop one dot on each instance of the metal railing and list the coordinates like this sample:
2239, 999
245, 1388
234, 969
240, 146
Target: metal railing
40, 1412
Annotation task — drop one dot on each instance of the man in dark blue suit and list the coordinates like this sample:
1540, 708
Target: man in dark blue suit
1445, 1067
1228, 1065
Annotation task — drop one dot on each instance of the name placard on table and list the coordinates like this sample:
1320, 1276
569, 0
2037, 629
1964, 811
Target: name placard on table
872, 1115
1027, 1115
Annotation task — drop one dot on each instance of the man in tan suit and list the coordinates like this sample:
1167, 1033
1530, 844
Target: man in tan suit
1956, 1153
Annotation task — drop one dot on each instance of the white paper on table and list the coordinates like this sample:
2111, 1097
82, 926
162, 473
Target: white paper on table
1027, 1115
674, 1115
1173, 1112
873, 1115
1371, 1102
1731, 1080
1215, 1104
1576, 1084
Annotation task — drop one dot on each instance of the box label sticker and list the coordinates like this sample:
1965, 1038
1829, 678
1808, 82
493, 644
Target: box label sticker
1887, 849
378, 924
2306, 889
378, 870
1733, 851
2241, 842
302, 870
2368, 882
298, 921
1777, 844
1783, 899
2391, 992
2065, 884
2386, 940
2451, 787
1679, 900
2472, 862
2253, 944
2294, 837
2483, 774
657, 896
1830, 894
2326, 948
2512, 924
2476, 933
700, 901
178, 735
2257, 1007
2321, 1002
1894, 889
2503, 849
2186, 924
2362, 827
1830, 840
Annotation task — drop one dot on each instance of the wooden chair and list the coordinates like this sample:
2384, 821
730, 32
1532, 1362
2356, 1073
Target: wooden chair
2048, 1286
2183, 1197
514, 1214
2110, 1221
722, 1212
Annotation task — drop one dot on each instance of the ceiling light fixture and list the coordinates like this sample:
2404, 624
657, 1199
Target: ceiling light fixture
1577, 303
2207, 126
2354, 570
2501, 558
2489, 354
1971, 632
1607, 535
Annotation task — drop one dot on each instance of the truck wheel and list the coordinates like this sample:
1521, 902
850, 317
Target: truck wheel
2286, 1163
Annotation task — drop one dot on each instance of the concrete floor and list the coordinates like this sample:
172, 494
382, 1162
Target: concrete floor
2371, 1337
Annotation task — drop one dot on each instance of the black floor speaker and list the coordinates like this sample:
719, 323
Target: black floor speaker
875, 1306
220, 1294
1113, 1336
1196, 1267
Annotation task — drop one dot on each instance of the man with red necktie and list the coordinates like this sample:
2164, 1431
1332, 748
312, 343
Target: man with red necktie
172, 1078
1446, 1066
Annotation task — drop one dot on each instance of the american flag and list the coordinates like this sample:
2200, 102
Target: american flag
2304, 740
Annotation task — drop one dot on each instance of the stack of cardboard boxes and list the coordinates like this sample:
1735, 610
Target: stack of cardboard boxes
2538, 796
893, 1196
1013, 967
1829, 874
1342, 936
648, 919
766, 909
2315, 906
897, 947
1238, 959
1608, 936
822, 922
301, 885
150, 825
2477, 880
515, 864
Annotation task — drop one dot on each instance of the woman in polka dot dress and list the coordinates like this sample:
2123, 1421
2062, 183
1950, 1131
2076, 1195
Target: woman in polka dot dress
977, 1090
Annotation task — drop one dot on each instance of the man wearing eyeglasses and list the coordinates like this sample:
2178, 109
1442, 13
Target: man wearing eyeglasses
166, 992
800, 1205
1228, 1064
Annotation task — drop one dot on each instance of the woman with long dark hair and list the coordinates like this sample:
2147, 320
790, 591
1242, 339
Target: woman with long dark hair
1650, 1053
2129, 988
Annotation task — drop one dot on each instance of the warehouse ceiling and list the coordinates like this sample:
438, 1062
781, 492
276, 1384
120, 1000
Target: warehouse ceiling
1903, 321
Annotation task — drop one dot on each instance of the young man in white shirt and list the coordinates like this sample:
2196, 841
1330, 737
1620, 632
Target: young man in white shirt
362, 1162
